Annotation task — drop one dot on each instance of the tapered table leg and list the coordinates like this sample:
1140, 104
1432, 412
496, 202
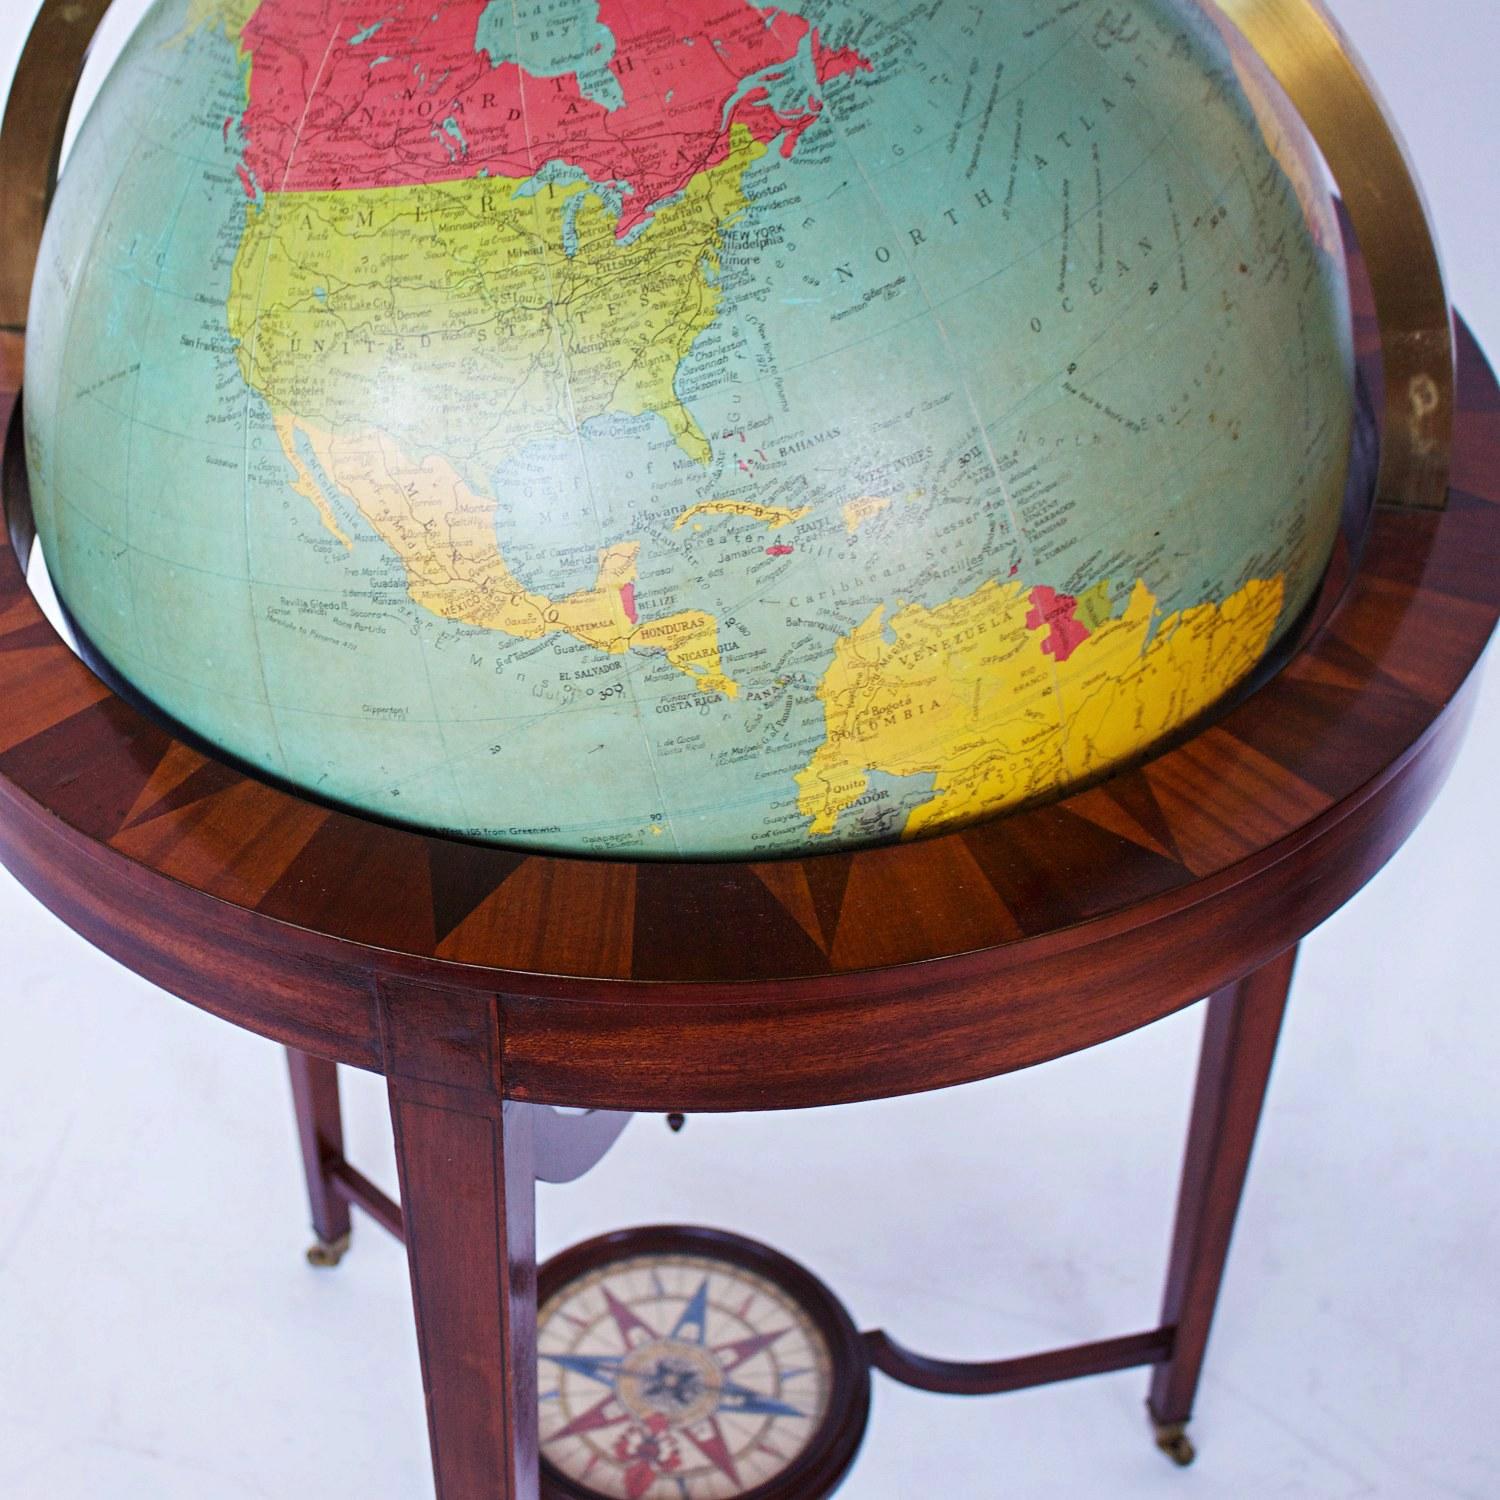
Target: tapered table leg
468, 1193
320, 1130
1239, 1044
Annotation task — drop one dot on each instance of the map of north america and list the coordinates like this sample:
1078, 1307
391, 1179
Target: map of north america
376, 231
849, 423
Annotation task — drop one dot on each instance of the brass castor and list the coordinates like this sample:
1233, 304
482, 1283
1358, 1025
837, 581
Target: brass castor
1173, 1440
326, 1254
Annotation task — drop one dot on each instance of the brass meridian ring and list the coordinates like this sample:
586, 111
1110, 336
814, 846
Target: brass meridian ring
31, 140
1306, 52
1298, 41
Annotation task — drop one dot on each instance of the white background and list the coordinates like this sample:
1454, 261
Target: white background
162, 1339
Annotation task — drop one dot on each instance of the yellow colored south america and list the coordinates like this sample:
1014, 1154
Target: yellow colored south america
328, 289
964, 692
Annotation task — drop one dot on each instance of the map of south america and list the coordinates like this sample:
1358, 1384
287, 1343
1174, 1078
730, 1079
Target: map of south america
964, 693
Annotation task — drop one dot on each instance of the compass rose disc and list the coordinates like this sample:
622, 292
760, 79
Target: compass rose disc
688, 1364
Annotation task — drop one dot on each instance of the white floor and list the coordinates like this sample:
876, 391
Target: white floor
161, 1338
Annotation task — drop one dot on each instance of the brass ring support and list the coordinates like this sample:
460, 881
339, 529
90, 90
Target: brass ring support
1305, 51
31, 138
1297, 40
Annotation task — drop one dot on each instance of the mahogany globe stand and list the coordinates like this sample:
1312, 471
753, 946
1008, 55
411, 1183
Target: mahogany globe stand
486, 984
494, 988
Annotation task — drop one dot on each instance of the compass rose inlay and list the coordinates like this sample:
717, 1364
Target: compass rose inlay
678, 1375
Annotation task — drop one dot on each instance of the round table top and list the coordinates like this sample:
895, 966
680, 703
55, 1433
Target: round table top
640, 985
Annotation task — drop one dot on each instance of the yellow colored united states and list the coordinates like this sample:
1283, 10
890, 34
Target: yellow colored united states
963, 692
468, 292
376, 323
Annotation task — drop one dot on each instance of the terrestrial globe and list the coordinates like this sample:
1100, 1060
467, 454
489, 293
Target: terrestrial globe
686, 429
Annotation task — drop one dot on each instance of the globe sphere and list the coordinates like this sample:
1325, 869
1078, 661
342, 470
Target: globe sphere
687, 429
